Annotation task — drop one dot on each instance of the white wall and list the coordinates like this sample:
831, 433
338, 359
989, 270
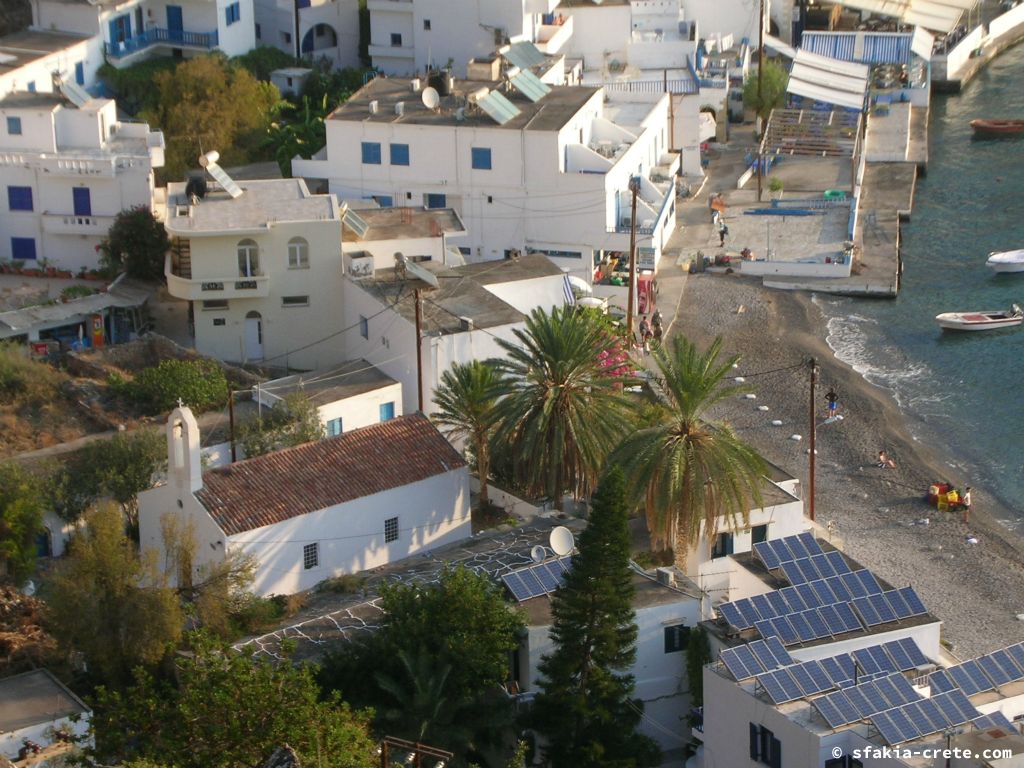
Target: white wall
42, 734
343, 17
362, 410
40, 71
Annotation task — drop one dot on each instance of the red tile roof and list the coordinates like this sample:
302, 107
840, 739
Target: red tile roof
269, 489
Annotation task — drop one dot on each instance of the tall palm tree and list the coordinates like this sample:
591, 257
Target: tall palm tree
563, 411
466, 401
688, 473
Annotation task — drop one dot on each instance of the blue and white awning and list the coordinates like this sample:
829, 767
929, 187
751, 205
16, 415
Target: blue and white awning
863, 47
828, 80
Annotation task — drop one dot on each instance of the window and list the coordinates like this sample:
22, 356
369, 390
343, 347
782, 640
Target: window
81, 201
435, 201
758, 534
287, 37
294, 301
32, 87
214, 304
232, 13
80, 73
371, 153
364, 327
23, 248
399, 154
490, 199
723, 545
259, 32
311, 555
387, 411
481, 158
334, 427
298, 253
562, 254
248, 258
676, 638
764, 747
14, 126
19, 198
390, 530
426, 25
385, 201
396, 40
219, 321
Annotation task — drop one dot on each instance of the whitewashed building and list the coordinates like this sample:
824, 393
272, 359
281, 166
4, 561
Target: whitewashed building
327, 28
30, 58
67, 170
546, 173
351, 396
335, 506
34, 707
134, 30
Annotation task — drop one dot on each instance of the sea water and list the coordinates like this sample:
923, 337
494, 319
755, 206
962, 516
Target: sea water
961, 393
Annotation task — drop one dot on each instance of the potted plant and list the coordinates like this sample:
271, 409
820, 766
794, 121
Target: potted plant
775, 187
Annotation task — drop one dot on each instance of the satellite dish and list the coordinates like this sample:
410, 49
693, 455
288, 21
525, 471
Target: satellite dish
562, 541
538, 553
431, 98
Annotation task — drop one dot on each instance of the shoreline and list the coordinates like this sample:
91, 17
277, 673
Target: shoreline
976, 589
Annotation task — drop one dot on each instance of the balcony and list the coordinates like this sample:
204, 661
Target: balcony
554, 33
181, 285
70, 224
175, 38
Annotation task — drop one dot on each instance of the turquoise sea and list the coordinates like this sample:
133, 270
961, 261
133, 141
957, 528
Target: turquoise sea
961, 393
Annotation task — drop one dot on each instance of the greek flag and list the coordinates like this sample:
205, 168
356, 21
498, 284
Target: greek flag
570, 297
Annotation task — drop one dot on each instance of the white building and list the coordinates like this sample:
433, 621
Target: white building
68, 170
351, 396
327, 28
335, 506
134, 30
550, 175
29, 59
474, 306
34, 707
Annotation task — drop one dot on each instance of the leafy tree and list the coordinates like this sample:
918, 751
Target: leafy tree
302, 134
467, 411
334, 85
137, 244
292, 422
200, 384
21, 520
686, 472
109, 603
584, 707
698, 654
264, 59
773, 90
564, 410
133, 86
208, 103
229, 710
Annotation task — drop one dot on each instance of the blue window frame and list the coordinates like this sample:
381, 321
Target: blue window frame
371, 153
19, 198
399, 154
334, 427
436, 201
82, 201
385, 201
233, 13
387, 411
14, 126
364, 327
481, 158
23, 248
80, 73
32, 87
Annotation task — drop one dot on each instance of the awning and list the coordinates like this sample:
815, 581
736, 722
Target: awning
882, 48
828, 80
922, 43
835, 46
122, 293
780, 46
937, 15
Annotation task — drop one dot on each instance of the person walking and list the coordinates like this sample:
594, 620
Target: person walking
965, 502
723, 230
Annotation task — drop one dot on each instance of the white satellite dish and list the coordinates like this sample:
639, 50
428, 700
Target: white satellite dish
538, 554
431, 98
562, 541
412, 269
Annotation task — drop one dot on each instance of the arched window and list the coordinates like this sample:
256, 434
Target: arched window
248, 258
298, 253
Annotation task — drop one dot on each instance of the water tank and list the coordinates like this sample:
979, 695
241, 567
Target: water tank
441, 82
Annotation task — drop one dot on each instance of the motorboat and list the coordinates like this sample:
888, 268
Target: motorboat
1006, 261
983, 320
996, 128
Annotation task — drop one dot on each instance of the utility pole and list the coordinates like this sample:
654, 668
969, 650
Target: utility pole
671, 113
298, 41
760, 81
814, 380
231, 421
419, 349
634, 187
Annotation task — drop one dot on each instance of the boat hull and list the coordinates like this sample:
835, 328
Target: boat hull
1007, 261
977, 321
997, 128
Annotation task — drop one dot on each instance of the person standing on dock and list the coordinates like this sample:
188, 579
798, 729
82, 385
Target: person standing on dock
965, 502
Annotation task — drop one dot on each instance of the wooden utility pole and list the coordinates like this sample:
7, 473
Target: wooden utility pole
419, 349
298, 40
231, 422
760, 81
634, 187
814, 380
671, 113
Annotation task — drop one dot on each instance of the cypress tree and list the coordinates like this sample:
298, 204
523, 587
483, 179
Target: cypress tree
585, 709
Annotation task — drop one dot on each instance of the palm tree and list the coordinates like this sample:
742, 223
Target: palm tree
421, 708
466, 401
686, 472
564, 410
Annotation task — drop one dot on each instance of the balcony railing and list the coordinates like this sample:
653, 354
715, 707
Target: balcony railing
182, 285
160, 36
71, 224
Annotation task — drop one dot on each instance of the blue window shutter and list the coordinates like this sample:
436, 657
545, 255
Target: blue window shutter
112, 30
32, 87
387, 411
80, 73
19, 198
385, 201
14, 126
371, 153
82, 201
399, 154
23, 248
436, 201
481, 158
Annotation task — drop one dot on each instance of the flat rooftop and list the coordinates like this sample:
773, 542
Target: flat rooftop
28, 45
34, 698
353, 377
551, 113
32, 100
396, 223
261, 205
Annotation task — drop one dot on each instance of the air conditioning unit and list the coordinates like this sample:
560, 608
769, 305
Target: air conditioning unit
374, 107
667, 577
360, 266
416, 84
465, 323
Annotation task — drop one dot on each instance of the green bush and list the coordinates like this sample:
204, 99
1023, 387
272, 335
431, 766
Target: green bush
77, 292
23, 379
263, 60
200, 384
133, 86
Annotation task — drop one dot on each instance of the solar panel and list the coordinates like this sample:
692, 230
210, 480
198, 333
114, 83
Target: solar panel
741, 662
764, 655
818, 624
780, 686
823, 566
530, 85
1008, 663
783, 628
993, 720
906, 602
793, 573
532, 582
1017, 654
868, 611
550, 579
809, 543
853, 584
768, 629
829, 709
808, 595
499, 108
782, 657
873, 660
885, 611
868, 582
766, 552
905, 654
516, 587
782, 550
793, 599
819, 675
862, 705
994, 670
763, 607
802, 627
797, 546
969, 678
935, 714
839, 669
836, 584
778, 603
920, 719
355, 222
810, 677
941, 682
850, 621
824, 593
523, 55
838, 562
888, 729
956, 707
729, 612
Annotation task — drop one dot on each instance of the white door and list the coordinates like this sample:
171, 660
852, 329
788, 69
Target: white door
253, 337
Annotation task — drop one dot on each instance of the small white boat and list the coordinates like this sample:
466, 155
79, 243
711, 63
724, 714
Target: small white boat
981, 321
1006, 261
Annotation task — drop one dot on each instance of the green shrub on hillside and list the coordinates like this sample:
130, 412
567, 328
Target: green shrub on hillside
200, 384
24, 380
